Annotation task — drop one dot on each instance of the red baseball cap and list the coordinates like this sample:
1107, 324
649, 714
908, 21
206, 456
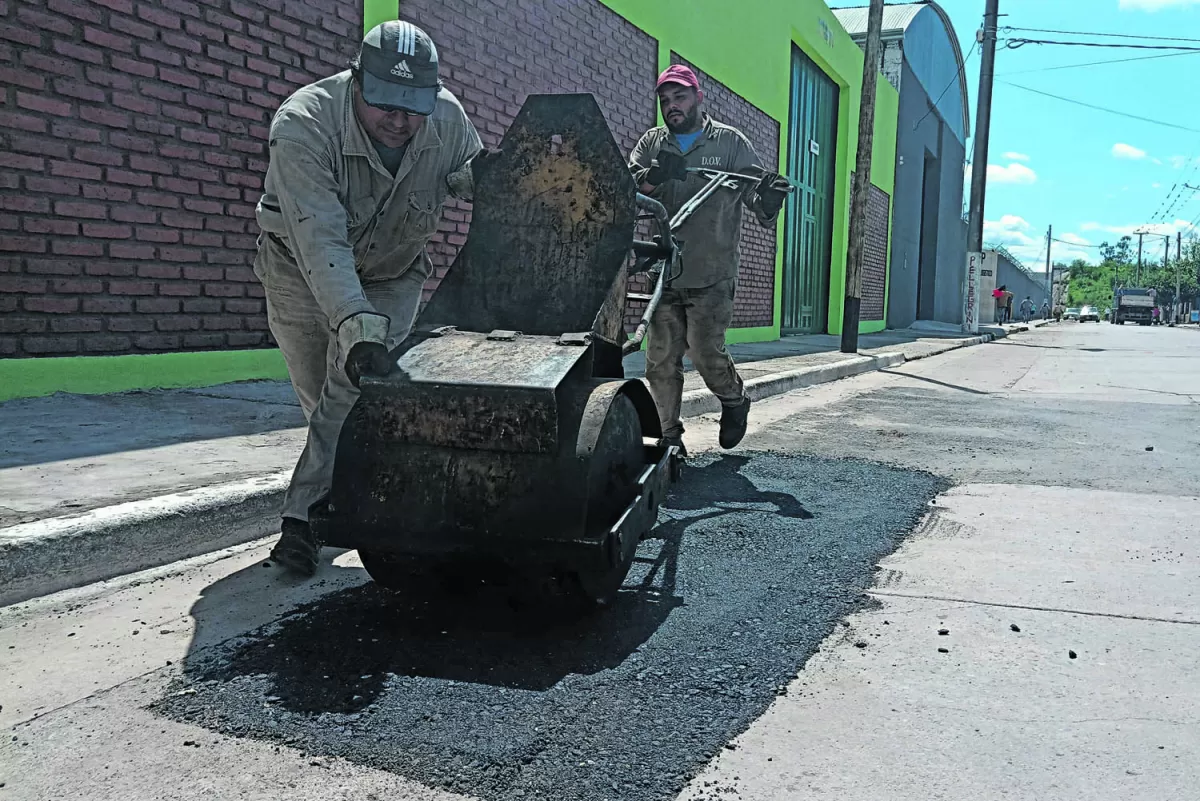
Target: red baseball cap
678, 74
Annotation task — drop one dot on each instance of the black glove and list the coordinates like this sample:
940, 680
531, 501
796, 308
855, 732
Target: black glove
666, 167
367, 358
361, 337
483, 161
772, 191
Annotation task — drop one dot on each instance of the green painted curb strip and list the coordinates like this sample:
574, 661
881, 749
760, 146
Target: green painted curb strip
97, 375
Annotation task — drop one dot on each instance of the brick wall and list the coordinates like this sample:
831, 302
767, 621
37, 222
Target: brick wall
132, 149
874, 267
755, 302
496, 52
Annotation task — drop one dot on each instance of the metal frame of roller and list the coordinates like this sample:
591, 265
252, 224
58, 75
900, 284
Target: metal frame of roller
507, 430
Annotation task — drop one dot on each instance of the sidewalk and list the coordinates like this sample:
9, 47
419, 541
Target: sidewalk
68, 463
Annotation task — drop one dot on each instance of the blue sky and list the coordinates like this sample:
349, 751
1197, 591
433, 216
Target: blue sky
1093, 176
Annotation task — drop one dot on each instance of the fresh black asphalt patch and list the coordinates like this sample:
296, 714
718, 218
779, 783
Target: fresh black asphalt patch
754, 561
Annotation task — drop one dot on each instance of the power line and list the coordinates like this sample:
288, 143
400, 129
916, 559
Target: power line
1109, 35
1095, 63
1102, 108
1014, 43
1076, 244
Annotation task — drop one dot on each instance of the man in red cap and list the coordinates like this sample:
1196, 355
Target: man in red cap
697, 306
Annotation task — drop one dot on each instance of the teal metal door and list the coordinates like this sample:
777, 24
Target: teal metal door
812, 133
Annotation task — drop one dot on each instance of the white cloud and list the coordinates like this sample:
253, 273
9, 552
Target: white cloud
1066, 253
1011, 156
1009, 231
1012, 174
1075, 239
1156, 185
1155, 5
1157, 161
1179, 162
1123, 151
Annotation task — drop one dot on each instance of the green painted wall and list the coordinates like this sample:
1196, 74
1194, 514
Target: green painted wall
747, 47
748, 50
377, 11
97, 375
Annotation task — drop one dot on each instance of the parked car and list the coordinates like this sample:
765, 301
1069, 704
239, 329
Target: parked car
1089, 314
1072, 313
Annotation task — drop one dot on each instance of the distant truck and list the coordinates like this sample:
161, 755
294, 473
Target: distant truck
1133, 305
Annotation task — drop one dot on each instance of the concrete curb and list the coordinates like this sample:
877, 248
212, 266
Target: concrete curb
47, 556
701, 401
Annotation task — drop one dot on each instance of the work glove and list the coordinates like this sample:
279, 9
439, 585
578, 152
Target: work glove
363, 338
772, 191
666, 167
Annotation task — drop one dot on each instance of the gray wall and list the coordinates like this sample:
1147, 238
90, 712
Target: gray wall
931, 139
1020, 283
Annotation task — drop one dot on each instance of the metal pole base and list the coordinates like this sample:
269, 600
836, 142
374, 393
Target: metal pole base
850, 325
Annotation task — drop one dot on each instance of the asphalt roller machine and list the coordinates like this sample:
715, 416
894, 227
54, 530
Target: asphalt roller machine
507, 433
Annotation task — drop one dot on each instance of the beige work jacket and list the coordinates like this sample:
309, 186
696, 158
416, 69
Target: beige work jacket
333, 211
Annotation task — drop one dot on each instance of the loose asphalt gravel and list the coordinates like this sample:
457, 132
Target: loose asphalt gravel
754, 561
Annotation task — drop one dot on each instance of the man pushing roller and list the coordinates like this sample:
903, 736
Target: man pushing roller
360, 164
697, 306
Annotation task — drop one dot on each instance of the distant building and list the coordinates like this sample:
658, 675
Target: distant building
923, 60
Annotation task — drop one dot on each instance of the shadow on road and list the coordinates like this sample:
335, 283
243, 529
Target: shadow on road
752, 563
928, 380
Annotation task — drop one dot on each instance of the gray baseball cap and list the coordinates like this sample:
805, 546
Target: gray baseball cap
399, 68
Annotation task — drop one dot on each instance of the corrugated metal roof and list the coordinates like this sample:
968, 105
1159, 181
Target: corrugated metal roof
895, 18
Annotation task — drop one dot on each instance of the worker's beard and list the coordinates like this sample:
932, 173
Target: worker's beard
689, 124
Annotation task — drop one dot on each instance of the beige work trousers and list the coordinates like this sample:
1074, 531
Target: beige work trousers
309, 348
691, 322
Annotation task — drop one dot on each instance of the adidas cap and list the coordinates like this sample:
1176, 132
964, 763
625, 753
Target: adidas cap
399, 67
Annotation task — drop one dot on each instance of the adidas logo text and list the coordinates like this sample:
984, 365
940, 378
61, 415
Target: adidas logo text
401, 70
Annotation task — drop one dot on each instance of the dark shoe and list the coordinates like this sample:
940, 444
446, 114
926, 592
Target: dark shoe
297, 549
733, 423
667, 442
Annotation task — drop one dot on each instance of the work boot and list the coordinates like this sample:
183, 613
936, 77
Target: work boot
667, 442
297, 549
733, 423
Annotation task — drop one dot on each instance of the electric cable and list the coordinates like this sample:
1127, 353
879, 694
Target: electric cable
1007, 28
1095, 63
957, 77
1014, 43
1102, 108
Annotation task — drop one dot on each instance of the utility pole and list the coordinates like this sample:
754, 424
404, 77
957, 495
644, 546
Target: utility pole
1137, 279
1176, 306
983, 126
1049, 242
862, 181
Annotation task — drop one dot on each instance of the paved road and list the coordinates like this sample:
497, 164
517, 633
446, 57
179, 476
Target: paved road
773, 643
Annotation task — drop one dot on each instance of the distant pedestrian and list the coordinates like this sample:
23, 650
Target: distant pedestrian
1008, 299
1045, 310
1027, 308
998, 297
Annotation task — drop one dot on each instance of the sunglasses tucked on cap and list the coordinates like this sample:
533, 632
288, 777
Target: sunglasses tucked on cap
399, 68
